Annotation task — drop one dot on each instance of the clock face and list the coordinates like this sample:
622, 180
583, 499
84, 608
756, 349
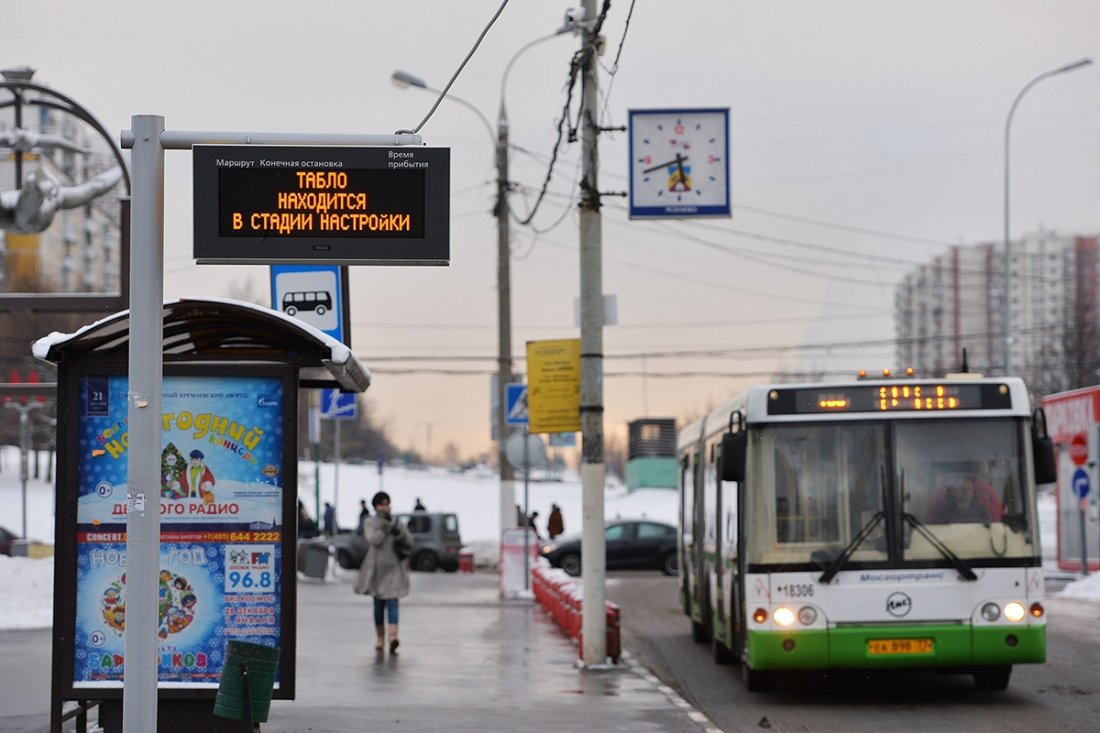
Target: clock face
679, 163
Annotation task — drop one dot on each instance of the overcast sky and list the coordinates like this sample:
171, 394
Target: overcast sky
864, 136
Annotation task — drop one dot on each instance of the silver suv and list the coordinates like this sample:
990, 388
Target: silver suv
436, 542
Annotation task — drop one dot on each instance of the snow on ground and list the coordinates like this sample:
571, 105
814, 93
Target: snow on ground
26, 586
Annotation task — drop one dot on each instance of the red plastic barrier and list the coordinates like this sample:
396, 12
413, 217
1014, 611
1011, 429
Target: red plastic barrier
563, 602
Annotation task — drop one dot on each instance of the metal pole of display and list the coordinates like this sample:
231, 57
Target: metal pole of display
144, 398
594, 545
148, 140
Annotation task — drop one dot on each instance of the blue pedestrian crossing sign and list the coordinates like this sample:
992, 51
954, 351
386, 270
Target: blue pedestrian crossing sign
516, 401
337, 405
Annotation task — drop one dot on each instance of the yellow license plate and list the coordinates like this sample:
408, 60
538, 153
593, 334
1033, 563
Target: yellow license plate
899, 646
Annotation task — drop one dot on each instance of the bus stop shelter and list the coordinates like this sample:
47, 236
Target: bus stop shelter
227, 495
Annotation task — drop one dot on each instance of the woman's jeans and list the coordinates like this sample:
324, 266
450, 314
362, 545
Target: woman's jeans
388, 605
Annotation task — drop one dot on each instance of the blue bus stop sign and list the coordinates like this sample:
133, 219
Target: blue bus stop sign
1081, 483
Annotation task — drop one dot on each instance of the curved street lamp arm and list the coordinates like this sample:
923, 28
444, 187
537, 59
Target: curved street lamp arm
1006, 315
515, 57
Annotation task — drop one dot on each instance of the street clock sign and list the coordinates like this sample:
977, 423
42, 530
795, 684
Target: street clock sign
679, 163
312, 204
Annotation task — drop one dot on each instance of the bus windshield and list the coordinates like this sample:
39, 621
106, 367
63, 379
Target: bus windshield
814, 488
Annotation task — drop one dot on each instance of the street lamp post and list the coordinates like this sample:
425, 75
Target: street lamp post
504, 267
1006, 300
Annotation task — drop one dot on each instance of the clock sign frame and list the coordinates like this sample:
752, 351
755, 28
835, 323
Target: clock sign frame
679, 163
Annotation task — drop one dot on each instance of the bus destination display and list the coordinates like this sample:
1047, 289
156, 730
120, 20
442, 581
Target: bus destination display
900, 397
357, 205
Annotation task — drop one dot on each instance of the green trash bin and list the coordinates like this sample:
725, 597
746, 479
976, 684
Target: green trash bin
248, 674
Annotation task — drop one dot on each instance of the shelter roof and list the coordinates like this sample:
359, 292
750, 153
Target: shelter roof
216, 328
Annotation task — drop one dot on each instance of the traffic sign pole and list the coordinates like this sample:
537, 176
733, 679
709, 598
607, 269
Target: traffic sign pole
1081, 491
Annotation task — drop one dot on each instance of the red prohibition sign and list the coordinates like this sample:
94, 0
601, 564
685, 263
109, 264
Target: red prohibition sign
1078, 450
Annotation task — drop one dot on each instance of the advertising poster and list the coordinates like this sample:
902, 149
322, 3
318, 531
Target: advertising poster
554, 386
221, 490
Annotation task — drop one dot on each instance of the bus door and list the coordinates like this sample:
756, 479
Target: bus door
711, 478
687, 525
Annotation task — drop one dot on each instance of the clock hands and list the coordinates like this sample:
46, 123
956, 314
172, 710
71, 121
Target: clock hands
678, 162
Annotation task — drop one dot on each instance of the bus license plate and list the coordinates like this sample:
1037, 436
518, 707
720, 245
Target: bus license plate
899, 646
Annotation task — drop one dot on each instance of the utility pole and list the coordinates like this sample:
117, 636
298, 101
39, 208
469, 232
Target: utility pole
504, 321
593, 555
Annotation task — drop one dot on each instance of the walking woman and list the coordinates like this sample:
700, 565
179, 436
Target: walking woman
383, 574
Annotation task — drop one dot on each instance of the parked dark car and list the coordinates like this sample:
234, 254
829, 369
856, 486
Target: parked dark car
7, 537
631, 545
436, 542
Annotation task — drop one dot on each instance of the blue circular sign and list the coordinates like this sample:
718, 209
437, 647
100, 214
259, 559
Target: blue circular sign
1081, 483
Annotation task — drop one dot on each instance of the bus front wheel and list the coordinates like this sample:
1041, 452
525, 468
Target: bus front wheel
992, 678
721, 653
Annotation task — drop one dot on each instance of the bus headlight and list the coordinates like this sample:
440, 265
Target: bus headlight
783, 616
1014, 611
807, 615
760, 615
1037, 610
991, 612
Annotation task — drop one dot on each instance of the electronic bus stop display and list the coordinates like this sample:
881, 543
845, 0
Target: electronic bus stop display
312, 204
901, 397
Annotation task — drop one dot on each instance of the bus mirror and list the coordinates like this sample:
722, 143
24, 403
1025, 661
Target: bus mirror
1042, 449
1045, 467
733, 457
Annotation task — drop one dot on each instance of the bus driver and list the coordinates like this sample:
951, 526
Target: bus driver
965, 498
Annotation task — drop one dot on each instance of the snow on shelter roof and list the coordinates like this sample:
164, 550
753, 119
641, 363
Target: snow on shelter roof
219, 327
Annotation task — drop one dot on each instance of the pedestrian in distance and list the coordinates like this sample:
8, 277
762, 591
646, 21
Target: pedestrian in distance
419, 507
384, 573
306, 526
329, 519
363, 512
532, 523
555, 525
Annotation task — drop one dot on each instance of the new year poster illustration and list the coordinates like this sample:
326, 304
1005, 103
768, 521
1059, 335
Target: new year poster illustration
221, 488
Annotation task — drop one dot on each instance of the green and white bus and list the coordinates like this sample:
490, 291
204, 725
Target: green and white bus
874, 524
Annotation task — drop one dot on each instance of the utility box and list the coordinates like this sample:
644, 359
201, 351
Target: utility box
651, 454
